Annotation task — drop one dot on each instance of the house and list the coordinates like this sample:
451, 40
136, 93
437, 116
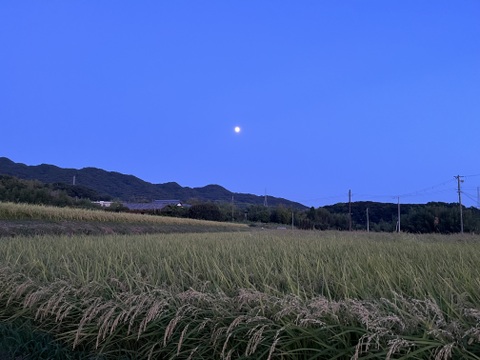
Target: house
154, 206
103, 203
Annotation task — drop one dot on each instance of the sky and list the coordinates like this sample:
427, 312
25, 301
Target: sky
378, 97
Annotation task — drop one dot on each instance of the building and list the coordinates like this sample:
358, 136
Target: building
103, 203
153, 206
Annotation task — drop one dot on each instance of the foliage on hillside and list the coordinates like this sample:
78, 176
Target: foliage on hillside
34, 192
131, 188
415, 218
433, 217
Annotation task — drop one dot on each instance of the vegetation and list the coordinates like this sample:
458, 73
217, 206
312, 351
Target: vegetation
130, 188
35, 192
258, 295
28, 219
433, 217
206, 211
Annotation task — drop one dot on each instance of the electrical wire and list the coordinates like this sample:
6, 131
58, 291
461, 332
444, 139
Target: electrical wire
425, 190
471, 197
430, 190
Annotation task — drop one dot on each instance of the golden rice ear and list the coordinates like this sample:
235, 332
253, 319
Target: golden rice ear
152, 312
182, 336
257, 294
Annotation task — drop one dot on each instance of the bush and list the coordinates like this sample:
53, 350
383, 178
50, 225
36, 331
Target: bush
206, 211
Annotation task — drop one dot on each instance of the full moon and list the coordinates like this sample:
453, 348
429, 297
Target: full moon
237, 129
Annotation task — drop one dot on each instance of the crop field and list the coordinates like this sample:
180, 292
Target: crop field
28, 219
241, 295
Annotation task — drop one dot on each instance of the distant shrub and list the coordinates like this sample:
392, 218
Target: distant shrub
207, 211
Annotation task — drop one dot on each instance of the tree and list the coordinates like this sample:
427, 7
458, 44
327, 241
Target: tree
258, 213
323, 219
174, 211
206, 211
280, 215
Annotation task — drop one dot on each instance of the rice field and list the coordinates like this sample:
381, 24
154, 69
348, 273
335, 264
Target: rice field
28, 219
13, 211
243, 295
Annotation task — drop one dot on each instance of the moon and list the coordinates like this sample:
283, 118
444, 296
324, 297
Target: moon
237, 129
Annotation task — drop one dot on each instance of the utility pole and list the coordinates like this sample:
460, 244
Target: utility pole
292, 220
478, 197
459, 180
398, 214
73, 180
368, 222
232, 208
349, 210
265, 202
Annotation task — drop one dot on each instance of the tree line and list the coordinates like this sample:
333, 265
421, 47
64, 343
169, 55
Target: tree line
433, 217
16, 190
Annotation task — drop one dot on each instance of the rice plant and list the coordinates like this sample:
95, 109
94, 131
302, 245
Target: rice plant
12, 211
258, 295
31, 220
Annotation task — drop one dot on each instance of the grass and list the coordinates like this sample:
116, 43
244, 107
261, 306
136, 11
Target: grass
259, 295
28, 219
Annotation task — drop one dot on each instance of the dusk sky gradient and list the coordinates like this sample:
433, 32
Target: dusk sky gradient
380, 97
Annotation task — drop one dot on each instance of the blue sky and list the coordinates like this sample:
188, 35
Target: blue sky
380, 97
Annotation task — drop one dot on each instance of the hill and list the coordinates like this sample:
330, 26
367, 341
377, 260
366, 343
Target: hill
130, 188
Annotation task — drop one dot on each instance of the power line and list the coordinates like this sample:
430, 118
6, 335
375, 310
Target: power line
471, 197
374, 196
424, 190
430, 190
331, 197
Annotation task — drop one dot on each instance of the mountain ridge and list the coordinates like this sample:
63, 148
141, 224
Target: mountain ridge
131, 188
